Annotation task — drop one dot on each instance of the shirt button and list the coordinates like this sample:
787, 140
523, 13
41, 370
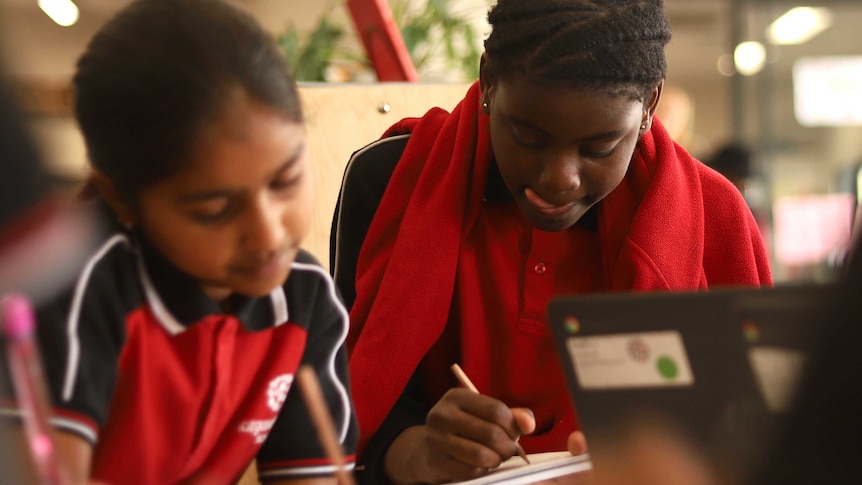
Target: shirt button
540, 268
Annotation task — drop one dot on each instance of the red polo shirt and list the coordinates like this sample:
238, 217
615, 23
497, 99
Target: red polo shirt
507, 274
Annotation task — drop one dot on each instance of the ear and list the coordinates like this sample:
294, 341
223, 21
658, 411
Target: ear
487, 83
108, 191
651, 105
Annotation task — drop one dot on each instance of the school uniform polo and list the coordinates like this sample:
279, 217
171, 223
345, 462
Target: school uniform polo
507, 272
169, 389
670, 224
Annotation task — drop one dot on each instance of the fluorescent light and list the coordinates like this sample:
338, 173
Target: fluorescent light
749, 58
62, 12
798, 25
827, 91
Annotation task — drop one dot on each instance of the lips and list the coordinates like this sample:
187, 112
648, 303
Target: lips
264, 268
545, 207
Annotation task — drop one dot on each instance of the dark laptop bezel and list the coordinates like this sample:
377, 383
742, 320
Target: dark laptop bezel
724, 411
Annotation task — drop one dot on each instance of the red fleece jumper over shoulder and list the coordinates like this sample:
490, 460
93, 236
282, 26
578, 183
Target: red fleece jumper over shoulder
671, 224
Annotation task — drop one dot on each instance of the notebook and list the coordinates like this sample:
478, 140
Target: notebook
719, 367
543, 466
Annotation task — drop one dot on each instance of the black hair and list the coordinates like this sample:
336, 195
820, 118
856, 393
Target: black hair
732, 160
23, 183
160, 70
612, 45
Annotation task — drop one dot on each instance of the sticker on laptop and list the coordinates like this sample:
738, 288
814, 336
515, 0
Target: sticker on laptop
652, 359
777, 372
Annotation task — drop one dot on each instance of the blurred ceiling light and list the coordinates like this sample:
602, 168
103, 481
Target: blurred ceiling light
62, 12
749, 57
799, 25
725, 65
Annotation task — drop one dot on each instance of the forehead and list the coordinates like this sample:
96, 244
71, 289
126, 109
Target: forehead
552, 104
247, 142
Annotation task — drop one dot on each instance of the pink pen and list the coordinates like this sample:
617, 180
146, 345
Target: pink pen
25, 367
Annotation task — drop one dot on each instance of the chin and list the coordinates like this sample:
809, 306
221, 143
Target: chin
552, 224
259, 289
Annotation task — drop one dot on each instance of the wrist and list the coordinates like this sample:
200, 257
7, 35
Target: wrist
403, 462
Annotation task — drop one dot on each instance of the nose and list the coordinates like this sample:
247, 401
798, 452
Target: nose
561, 175
264, 229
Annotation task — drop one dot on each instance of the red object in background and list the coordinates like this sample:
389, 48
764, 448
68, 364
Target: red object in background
382, 40
812, 228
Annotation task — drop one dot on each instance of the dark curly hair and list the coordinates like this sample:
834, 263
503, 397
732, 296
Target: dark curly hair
612, 45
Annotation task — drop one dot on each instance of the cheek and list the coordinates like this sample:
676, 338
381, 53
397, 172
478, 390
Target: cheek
187, 246
614, 173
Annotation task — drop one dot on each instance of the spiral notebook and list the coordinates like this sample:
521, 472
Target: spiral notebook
719, 366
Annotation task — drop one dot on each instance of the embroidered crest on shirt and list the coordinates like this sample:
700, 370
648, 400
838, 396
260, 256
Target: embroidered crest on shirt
277, 392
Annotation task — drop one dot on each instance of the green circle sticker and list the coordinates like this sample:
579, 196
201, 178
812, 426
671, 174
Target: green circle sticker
667, 367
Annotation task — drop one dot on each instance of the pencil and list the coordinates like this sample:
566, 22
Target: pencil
466, 382
18, 324
310, 387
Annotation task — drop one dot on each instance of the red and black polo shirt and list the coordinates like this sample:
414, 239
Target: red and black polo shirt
167, 388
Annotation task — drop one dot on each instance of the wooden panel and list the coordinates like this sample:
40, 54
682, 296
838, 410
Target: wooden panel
343, 118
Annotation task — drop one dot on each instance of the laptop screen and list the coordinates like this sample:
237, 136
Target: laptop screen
718, 366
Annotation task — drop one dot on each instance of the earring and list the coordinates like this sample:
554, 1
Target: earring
485, 107
643, 126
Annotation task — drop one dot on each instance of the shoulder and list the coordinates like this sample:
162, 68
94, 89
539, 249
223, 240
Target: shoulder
375, 161
719, 191
305, 271
367, 175
309, 290
108, 273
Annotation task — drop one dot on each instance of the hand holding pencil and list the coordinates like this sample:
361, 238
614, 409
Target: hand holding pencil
465, 435
466, 382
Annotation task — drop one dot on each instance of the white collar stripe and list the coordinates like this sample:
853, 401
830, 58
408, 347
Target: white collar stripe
279, 306
163, 315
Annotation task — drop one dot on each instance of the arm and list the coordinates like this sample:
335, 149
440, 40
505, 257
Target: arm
80, 345
75, 455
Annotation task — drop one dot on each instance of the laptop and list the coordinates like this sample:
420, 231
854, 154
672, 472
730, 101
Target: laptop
718, 367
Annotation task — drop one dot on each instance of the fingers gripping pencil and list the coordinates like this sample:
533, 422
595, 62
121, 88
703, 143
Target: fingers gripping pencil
466, 382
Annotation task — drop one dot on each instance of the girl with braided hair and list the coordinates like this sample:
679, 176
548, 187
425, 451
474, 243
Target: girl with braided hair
454, 231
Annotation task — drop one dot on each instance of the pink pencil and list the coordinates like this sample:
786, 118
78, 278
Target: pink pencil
25, 367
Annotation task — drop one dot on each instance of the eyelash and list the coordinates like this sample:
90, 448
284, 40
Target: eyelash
541, 145
585, 153
209, 219
606, 154
277, 185
286, 184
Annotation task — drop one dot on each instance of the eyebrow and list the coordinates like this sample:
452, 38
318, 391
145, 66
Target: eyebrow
600, 136
220, 193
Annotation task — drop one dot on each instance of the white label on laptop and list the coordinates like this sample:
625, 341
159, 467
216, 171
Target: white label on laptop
652, 359
777, 371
